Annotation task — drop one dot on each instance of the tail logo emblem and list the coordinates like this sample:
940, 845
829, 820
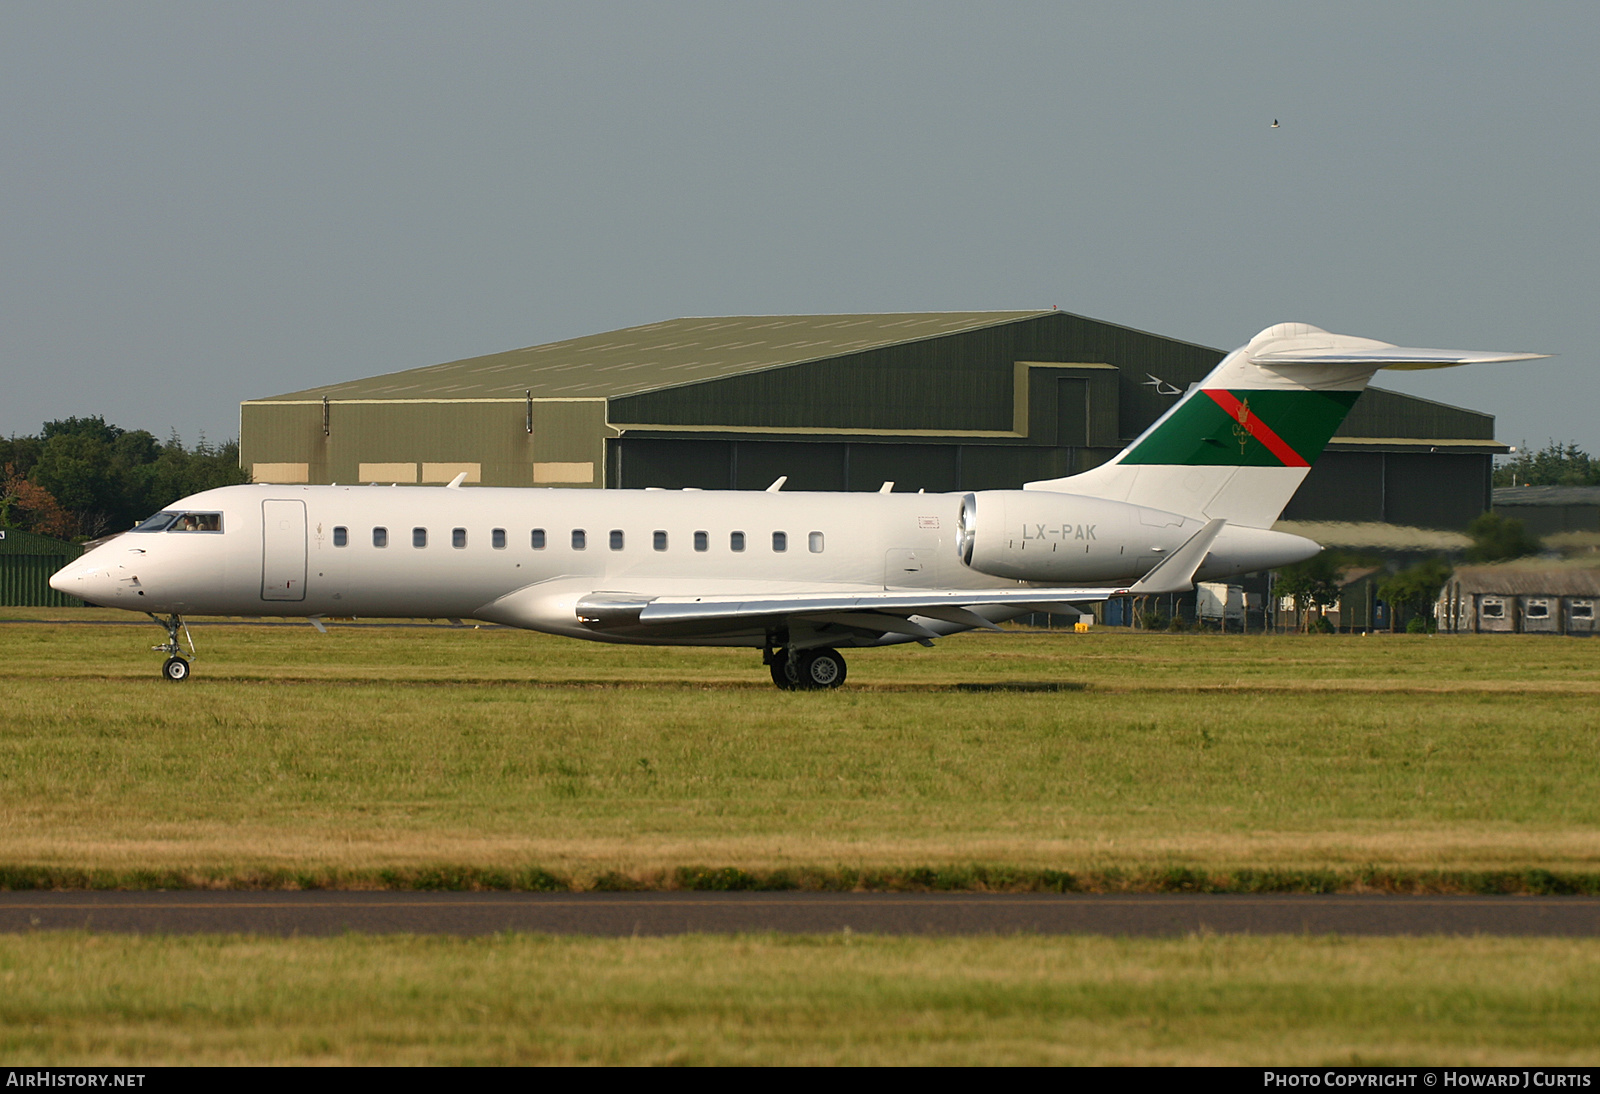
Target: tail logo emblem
1241, 431
1246, 425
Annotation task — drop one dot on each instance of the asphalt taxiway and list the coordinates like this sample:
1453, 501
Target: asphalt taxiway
669, 913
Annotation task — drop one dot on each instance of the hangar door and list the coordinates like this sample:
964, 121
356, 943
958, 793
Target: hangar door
1072, 413
283, 550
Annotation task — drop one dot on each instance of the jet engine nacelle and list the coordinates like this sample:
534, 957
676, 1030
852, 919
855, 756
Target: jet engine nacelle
1048, 537
1040, 535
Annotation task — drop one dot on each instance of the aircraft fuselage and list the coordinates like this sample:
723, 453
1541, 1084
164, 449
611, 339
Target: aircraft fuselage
527, 556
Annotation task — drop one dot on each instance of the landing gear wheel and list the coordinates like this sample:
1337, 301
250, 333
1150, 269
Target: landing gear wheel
781, 668
176, 668
822, 668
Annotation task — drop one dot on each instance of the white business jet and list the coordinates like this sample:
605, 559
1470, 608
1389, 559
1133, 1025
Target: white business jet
797, 575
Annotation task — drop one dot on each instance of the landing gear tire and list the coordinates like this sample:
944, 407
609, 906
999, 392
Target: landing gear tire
820, 669
175, 669
781, 668
810, 670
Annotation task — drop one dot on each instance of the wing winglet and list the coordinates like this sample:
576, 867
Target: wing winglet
1175, 573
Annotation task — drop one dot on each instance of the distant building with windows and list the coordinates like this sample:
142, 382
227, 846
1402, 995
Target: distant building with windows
1520, 598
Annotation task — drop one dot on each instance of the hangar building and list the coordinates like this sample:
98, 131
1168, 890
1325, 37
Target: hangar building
937, 401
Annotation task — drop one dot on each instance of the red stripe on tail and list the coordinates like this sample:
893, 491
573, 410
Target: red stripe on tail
1258, 429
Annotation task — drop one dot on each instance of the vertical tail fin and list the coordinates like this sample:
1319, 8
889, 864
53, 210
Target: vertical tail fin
1237, 445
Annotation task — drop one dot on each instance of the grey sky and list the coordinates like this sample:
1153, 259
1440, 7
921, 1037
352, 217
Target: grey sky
203, 203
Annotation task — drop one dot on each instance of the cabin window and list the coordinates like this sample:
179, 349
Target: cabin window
341, 536
497, 539
1581, 611
458, 538
780, 541
580, 539
702, 541
736, 541
538, 539
183, 522
616, 539
1538, 609
1493, 609
419, 537
380, 537
659, 540
815, 542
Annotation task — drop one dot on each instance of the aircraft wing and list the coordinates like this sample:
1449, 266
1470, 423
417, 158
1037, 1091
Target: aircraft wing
887, 611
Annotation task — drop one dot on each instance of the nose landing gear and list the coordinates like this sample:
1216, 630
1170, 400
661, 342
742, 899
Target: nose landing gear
175, 668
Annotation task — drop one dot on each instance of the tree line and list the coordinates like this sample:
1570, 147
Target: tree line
1556, 464
80, 478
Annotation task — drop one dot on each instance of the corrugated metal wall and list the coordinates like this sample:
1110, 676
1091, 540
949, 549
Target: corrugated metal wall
26, 563
1424, 490
674, 462
493, 434
956, 382
1550, 520
25, 582
1389, 414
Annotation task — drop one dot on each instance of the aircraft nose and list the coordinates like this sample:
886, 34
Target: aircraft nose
88, 578
72, 577
66, 578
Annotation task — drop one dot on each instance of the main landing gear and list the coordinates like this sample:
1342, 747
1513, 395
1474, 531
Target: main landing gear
804, 670
175, 668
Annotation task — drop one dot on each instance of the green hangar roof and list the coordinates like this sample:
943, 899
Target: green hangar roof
658, 355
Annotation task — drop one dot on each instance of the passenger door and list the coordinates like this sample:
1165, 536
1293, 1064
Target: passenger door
283, 550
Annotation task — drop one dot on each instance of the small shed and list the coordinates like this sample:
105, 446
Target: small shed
26, 563
1519, 598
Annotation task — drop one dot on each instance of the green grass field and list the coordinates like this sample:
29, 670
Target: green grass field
374, 756
463, 757
120, 1000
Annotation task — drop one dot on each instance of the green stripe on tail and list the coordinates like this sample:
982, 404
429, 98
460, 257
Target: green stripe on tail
1201, 432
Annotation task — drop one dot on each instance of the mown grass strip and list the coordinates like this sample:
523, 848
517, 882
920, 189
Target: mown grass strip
458, 758
86, 999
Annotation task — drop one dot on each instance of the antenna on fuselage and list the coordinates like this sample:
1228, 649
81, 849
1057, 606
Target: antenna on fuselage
777, 484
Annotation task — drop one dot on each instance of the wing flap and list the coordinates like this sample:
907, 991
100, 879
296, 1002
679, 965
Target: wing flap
685, 610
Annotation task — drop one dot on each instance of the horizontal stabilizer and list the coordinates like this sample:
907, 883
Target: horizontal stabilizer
1393, 357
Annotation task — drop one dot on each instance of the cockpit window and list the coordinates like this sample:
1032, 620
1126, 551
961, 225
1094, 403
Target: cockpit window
158, 523
182, 522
